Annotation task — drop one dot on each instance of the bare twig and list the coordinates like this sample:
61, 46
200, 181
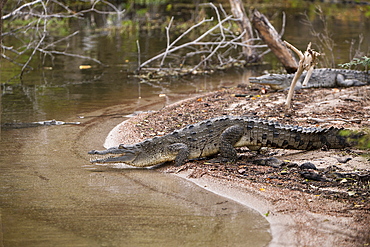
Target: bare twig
307, 61
38, 44
325, 43
93, 9
219, 44
168, 41
71, 55
215, 43
282, 31
16, 11
178, 47
60, 40
37, 31
138, 54
13, 61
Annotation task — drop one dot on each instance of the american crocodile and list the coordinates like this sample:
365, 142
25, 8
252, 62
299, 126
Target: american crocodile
222, 135
36, 124
319, 78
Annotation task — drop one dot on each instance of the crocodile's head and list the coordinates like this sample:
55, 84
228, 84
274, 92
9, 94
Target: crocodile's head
275, 81
128, 154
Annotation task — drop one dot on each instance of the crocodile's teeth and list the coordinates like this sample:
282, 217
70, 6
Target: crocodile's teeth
93, 159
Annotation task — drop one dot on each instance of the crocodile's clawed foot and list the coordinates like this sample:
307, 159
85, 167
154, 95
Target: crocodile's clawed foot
221, 160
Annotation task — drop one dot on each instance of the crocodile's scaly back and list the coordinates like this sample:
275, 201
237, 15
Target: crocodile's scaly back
263, 133
319, 78
222, 135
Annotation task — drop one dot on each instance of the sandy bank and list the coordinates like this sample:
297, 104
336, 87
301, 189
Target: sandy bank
297, 218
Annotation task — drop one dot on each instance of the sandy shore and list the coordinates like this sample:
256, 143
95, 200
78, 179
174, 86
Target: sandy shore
296, 218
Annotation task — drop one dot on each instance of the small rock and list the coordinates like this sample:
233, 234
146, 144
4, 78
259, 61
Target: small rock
364, 177
343, 159
273, 162
242, 170
313, 176
307, 165
291, 164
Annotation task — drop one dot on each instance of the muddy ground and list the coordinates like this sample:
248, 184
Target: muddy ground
303, 184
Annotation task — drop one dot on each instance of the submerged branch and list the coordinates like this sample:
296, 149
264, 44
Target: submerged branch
71, 55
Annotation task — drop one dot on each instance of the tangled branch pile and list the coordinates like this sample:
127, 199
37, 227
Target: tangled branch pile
32, 23
216, 48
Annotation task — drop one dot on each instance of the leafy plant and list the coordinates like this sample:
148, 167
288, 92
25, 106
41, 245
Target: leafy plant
364, 61
361, 139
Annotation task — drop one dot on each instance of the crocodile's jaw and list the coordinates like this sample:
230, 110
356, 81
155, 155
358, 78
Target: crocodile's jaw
111, 159
118, 154
278, 83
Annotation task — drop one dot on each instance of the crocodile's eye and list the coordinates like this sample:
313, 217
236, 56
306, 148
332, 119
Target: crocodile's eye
121, 146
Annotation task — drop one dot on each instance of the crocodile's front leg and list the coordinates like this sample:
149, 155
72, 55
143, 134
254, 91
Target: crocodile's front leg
228, 139
342, 81
182, 153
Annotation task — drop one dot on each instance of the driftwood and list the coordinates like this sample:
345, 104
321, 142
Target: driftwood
307, 61
271, 37
238, 11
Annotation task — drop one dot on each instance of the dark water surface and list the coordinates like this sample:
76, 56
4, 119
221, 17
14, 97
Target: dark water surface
50, 197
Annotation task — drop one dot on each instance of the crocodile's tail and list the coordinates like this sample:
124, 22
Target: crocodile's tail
334, 138
277, 135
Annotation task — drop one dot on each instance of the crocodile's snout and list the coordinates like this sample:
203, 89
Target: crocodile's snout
121, 154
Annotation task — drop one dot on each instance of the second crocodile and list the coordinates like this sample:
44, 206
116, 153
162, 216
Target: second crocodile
319, 78
222, 135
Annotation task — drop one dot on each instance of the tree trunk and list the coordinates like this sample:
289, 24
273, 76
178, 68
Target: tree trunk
270, 36
238, 11
2, 4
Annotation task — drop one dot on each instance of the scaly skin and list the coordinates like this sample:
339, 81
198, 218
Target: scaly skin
222, 135
319, 78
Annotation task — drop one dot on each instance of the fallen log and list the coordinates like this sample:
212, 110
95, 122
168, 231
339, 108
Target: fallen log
271, 37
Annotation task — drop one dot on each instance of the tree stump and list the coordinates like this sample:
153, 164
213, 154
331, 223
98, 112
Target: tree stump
238, 11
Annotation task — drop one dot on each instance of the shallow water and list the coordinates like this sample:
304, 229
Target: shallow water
50, 197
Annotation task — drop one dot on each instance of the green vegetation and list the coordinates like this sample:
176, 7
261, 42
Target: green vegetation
364, 61
367, 11
362, 139
150, 2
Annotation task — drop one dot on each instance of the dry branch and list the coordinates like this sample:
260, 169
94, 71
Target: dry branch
214, 46
271, 37
34, 34
307, 62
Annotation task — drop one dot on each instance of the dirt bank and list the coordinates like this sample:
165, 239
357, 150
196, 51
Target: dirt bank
311, 198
